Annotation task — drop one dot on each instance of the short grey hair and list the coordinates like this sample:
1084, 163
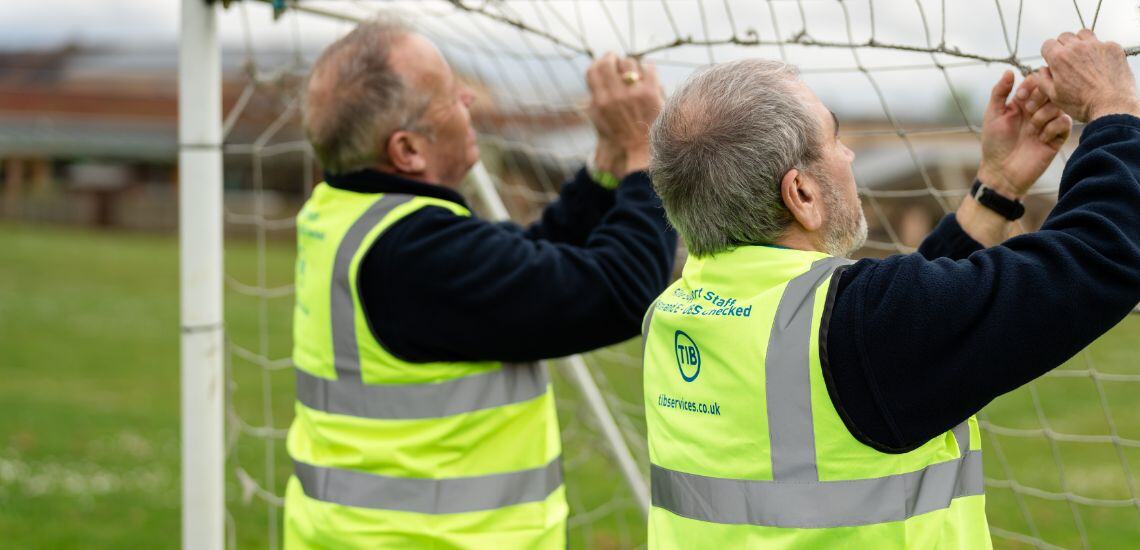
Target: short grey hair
355, 100
721, 146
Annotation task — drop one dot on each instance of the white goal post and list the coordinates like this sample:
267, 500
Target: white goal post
200, 245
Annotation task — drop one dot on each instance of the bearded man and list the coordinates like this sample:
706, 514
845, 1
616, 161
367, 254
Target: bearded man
797, 399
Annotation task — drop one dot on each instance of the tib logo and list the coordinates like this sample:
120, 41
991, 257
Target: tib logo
688, 356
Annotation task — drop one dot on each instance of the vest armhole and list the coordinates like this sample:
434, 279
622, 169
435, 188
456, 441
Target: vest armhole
360, 272
824, 363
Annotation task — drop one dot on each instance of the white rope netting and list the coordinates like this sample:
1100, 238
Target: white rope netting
907, 80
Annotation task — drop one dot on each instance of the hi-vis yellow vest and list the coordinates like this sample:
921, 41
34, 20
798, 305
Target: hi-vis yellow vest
747, 449
393, 454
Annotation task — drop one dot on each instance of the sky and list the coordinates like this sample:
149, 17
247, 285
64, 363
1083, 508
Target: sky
45, 22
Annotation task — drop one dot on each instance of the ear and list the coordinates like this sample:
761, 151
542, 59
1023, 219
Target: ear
406, 152
802, 196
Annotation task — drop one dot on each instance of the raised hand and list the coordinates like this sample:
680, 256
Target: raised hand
1088, 78
1021, 137
625, 98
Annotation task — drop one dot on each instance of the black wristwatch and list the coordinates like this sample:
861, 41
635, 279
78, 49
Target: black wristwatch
1010, 209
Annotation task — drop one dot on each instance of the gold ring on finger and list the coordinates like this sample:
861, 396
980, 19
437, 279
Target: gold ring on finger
631, 77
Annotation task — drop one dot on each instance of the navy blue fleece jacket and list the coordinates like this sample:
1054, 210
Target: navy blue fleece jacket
916, 343
440, 287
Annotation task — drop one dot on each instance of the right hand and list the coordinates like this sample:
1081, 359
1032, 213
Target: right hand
1088, 78
1019, 138
623, 112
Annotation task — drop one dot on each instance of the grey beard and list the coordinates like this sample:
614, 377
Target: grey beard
841, 239
846, 230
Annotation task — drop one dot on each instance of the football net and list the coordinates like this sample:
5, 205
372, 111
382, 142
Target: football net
908, 81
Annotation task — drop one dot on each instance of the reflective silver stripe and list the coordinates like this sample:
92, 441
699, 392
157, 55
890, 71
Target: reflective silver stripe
428, 496
510, 384
820, 504
645, 329
346, 354
348, 395
788, 386
962, 436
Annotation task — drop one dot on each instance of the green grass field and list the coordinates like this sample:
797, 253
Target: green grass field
89, 415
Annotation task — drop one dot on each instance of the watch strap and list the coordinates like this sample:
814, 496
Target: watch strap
1010, 209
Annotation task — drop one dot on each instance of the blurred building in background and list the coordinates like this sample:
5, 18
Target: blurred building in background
88, 135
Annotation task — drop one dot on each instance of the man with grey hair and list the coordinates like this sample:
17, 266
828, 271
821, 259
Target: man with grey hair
701, 165
798, 399
421, 417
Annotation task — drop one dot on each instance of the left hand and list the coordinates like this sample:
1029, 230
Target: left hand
1020, 138
623, 110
